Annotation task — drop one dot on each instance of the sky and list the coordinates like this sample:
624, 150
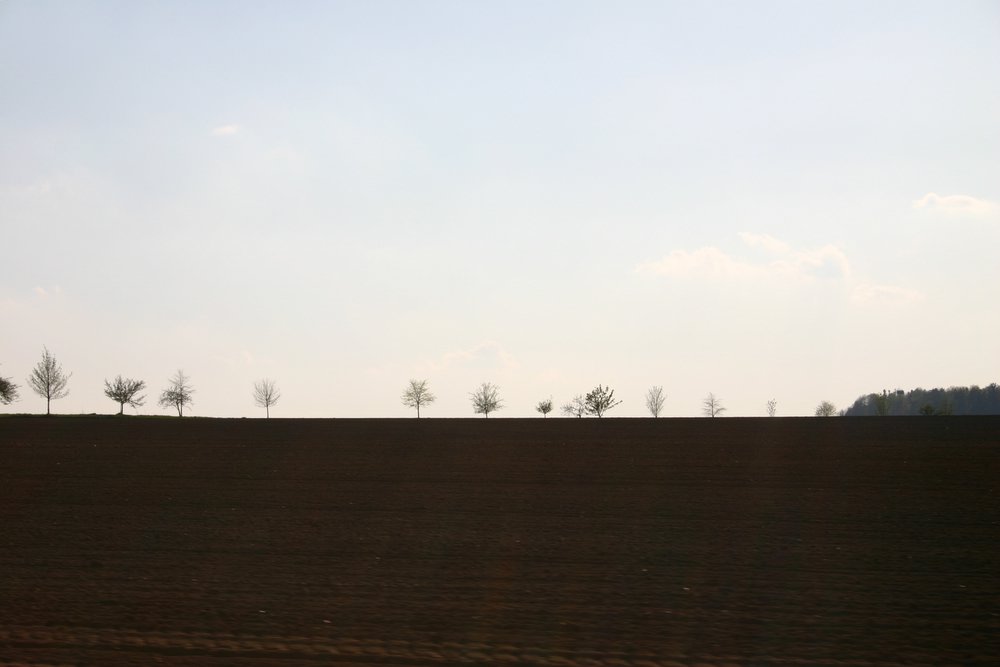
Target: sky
797, 201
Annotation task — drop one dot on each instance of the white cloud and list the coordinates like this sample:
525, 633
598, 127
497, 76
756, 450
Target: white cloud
956, 204
884, 294
225, 130
709, 262
766, 242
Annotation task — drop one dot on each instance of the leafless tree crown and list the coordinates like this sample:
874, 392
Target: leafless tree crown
48, 380
712, 406
545, 407
125, 391
179, 394
772, 407
8, 391
826, 409
575, 408
600, 400
486, 399
417, 394
655, 398
266, 394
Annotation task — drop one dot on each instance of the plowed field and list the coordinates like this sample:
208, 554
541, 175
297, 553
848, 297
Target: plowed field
841, 541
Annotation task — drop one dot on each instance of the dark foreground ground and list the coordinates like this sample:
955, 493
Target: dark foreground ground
843, 541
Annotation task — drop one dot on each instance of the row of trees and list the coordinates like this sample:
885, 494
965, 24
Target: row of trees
50, 381
486, 399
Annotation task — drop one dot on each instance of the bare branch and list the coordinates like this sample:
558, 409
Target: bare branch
600, 400
48, 380
655, 398
712, 406
8, 391
125, 390
178, 395
486, 399
575, 408
826, 409
266, 394
545, 407
417, 394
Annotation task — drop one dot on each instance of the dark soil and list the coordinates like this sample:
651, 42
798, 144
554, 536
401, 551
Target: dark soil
840, 541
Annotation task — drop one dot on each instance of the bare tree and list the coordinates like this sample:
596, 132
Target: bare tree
266, 394
179, 394
125, 390
575, 408
48, 380
8, 391
772, 407
545, 407
486, 399
826, 409
655, 398
417, 394
600, 400
712, 406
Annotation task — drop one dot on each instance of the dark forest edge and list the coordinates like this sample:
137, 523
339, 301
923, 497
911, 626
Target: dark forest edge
957, 401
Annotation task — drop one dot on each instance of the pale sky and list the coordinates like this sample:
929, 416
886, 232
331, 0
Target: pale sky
788, 200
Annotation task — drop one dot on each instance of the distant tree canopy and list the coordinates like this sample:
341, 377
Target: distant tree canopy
600, 400
576, 407
179, 394
266, 394
486, 399
8, 391
952, 401
826, 409
417, 394
545, 407
48, 379
125, 391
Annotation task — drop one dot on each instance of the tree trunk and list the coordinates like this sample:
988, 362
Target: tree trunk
47, 402
267, 411
121, 408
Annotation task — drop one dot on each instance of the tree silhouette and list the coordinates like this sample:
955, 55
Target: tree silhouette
48, 380
486, 399
266, 394
772, 407
125, 390
576, 407
545, 407
417, 394
712, 406
600, 400
826, 409
8, 391
655, 398
178, 394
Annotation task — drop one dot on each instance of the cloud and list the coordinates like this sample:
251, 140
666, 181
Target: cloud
828, 262
956, 204
766, 242
225, 130
885, 294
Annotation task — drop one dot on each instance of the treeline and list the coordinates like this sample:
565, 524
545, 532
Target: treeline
951, 401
